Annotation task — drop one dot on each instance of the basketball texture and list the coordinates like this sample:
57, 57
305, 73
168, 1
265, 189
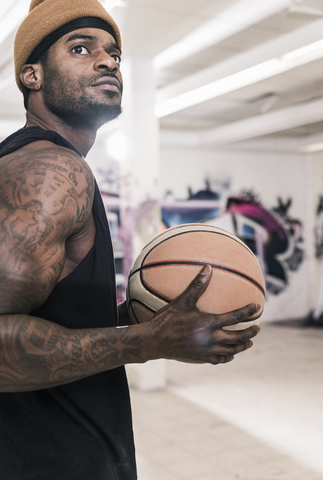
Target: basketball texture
169, 262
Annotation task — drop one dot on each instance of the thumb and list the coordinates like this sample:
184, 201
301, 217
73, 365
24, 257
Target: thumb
197, 287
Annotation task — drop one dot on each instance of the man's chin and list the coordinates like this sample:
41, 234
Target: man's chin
96, 117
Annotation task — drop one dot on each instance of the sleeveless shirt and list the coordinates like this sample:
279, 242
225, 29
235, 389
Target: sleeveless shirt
81, 430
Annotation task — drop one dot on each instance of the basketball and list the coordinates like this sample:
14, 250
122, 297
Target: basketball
171, 260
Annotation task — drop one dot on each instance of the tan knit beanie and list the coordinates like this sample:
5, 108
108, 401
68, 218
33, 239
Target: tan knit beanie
46, 16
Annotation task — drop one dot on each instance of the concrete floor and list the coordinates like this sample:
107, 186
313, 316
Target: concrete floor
258, 418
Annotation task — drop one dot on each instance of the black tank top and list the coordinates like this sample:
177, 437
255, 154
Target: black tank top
82, 430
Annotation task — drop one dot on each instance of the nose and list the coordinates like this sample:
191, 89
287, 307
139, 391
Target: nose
105, 61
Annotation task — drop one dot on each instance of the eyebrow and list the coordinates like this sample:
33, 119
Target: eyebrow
79, 36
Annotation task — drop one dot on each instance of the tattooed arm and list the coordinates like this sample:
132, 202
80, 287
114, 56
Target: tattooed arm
37, 354
46, 197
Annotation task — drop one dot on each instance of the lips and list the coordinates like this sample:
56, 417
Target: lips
109, 84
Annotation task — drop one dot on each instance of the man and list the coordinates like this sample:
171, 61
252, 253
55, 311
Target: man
64, 401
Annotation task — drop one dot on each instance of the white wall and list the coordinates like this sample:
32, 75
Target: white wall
271, 175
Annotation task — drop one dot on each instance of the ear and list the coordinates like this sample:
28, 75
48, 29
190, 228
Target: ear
31, 76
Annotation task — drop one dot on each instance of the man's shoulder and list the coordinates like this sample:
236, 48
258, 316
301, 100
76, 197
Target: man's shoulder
45, 158
44, 149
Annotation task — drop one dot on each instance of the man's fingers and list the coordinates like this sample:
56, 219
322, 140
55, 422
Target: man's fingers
235, 339
195, 289
237, 316
222, 353
226, 350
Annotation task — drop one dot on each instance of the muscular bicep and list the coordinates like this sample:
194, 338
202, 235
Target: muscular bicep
43, 202
31, 259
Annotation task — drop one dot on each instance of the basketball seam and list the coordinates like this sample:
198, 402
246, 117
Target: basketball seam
240, 242
135, 300
200, 264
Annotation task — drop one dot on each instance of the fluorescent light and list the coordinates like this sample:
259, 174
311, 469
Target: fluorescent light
315, 147
216, 89
210, 33
241, 79
229, 21
307, 50
306, 10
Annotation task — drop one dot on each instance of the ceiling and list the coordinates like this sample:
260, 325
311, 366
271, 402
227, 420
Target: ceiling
194, 43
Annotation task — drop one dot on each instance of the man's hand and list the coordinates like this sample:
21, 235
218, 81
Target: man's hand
182, 332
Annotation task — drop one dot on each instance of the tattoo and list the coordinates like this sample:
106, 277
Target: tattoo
36, 340
45, 197
36, 354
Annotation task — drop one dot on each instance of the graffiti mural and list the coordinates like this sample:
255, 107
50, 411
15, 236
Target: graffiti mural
272, 234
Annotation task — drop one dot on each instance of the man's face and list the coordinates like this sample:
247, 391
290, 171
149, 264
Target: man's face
82, 82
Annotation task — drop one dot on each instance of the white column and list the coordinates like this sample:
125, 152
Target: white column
315, 192
140, 210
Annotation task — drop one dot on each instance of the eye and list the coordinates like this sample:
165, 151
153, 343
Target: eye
116, 58
80, 50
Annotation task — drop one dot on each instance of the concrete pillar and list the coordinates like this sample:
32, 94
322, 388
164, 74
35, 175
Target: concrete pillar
140, 210
315, 191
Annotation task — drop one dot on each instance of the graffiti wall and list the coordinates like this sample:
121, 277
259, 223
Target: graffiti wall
272, 234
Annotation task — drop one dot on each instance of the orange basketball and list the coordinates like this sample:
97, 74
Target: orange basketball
169, 262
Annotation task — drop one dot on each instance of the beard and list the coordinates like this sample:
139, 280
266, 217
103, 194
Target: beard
71, 101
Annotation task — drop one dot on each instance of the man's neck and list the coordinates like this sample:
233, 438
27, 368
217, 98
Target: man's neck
81, 139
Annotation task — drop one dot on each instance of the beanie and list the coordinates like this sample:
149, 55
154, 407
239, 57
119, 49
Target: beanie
45, 17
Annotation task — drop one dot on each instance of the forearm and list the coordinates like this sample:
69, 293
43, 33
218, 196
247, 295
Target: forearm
37, 354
